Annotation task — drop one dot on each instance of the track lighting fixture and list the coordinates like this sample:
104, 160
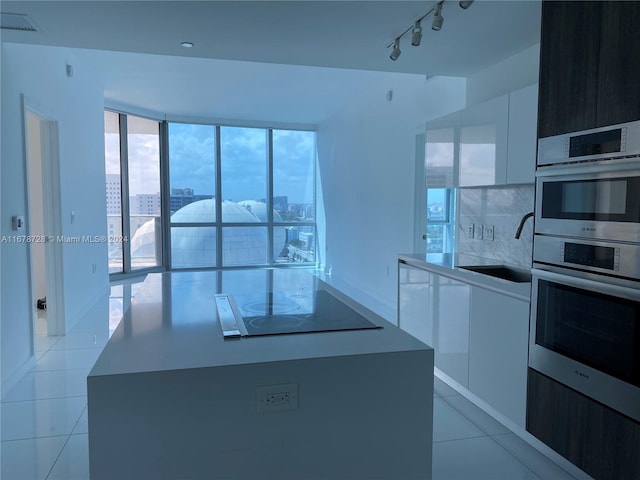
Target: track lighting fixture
416, 28
436, 23
416, 34
395, 53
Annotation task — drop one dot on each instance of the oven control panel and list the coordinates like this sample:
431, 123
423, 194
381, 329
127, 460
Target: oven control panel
619, 259
592, 255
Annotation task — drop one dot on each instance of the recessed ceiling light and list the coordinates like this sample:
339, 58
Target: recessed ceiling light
187, 44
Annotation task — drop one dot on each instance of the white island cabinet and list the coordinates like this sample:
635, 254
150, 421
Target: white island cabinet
170, 398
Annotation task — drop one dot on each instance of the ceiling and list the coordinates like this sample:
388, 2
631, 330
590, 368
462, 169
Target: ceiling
349, 39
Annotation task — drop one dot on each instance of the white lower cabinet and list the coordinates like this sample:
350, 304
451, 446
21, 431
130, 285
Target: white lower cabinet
498, 345
480, 337
450, 320
435, 309
414, 302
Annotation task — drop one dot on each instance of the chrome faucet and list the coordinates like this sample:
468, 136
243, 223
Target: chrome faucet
521, 226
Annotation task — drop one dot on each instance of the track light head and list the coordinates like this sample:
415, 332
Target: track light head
436, 24
464, 4
416, 34
395, 53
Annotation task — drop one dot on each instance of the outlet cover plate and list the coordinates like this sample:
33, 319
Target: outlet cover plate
276, 398
488, 232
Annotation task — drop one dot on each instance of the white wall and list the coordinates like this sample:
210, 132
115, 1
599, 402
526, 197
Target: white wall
77, 104
367, 167
510, 74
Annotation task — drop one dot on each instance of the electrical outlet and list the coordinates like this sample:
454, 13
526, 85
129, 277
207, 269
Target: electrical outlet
479, 232
488, 232
276, 398
470, 232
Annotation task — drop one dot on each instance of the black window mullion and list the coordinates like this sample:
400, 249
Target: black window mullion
165, 210
124, 194
218, 197
270, 255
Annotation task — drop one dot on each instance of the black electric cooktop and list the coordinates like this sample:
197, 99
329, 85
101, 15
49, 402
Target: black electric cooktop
319, 312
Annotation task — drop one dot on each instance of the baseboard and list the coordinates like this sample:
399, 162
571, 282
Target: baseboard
514, 427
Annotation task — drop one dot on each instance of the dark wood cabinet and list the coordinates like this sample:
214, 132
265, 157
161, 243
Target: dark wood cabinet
589, 65
619, 70
569, 53
602, 442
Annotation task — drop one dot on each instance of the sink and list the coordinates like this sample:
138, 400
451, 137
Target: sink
511, 274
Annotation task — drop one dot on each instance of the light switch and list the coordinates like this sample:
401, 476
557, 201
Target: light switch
479, 232
17, 222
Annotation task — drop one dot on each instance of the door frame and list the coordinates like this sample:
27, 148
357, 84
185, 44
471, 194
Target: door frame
51, 199
420, 197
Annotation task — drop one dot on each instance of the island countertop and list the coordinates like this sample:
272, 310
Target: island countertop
172, 325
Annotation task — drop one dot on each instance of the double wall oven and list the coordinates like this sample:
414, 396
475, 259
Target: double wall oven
585, 328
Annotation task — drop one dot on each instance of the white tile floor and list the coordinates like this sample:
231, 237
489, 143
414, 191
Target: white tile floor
44, 417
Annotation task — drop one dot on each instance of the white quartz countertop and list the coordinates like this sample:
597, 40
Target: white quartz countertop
450, 265
172, 324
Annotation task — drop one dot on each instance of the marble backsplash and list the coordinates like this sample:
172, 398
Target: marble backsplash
502, 207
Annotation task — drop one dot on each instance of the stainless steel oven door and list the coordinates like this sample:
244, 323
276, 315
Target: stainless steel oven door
589, 202
585, 333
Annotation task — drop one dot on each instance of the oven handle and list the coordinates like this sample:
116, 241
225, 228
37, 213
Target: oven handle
592, 285
604, 168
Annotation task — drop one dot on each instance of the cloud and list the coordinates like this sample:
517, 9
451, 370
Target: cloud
244, 161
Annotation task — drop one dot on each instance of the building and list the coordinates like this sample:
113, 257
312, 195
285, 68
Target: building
145, 204
114, 194
181, 197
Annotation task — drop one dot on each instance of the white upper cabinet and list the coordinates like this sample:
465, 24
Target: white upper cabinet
483, 143
523, 124
490, 143
441, 151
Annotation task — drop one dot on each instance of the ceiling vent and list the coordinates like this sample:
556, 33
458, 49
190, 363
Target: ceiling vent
17, 21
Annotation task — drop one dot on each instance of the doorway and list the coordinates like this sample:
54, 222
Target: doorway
43, 225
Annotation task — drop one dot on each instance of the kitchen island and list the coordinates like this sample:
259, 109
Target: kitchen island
169, 397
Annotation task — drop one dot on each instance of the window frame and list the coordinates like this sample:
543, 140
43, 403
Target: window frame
220, 224
125, 204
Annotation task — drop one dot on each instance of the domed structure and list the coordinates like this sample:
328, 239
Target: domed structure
259, 209
195, 246
143, 242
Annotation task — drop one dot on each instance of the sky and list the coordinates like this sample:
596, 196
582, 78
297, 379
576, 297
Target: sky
243, 158
243, 161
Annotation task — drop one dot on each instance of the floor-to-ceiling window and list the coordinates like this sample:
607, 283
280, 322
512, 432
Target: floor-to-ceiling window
241, 196
192, 193
133, 193
234, 196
